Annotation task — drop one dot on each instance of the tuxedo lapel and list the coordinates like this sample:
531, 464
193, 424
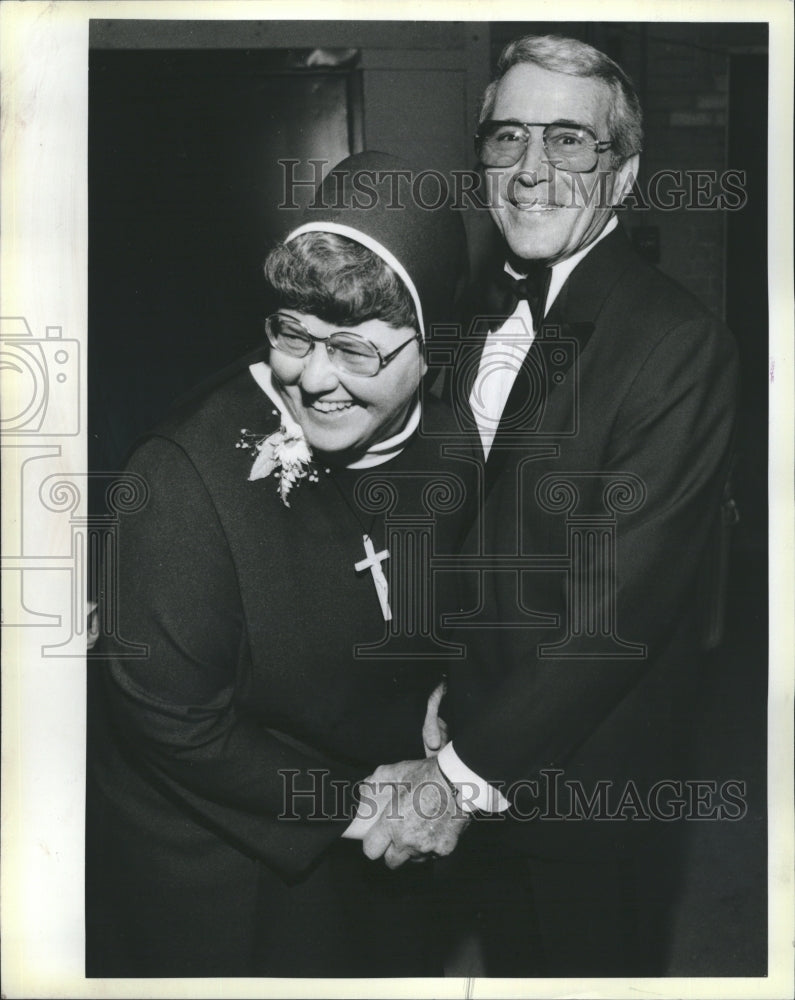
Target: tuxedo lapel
592, 281
528, 419
561, 341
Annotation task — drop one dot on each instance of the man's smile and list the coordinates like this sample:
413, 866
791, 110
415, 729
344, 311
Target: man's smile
531, 205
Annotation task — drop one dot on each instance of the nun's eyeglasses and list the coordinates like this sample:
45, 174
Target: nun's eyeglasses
568, 146
347, 352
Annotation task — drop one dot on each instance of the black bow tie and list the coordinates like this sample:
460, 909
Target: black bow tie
533, 288
493, 300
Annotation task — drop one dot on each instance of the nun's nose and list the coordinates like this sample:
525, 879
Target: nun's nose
318, 374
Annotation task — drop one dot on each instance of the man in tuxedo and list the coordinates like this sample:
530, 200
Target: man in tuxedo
601, 397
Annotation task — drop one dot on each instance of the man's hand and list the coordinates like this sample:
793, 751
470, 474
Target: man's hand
423, 818
372, 800
434, 728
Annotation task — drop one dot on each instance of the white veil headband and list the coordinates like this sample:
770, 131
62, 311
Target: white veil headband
373, 245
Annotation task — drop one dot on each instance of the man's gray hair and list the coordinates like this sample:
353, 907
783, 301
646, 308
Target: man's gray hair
567, 55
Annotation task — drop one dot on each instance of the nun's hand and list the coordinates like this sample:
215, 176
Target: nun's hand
434, 729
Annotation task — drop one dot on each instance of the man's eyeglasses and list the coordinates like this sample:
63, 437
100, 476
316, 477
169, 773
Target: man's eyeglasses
568, 146
347, 352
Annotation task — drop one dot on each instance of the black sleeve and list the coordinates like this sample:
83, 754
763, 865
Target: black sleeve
177, 709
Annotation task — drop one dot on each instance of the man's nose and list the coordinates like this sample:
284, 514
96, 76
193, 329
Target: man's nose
534, 165
318, 374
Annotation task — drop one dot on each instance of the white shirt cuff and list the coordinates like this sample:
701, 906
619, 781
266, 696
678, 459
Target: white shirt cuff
475, 793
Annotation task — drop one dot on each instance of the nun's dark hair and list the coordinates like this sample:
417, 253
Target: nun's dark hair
338, 280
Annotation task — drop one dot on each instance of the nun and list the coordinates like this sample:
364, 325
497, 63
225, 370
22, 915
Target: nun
291, 629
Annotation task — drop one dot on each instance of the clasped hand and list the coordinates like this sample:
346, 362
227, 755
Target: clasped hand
419, 815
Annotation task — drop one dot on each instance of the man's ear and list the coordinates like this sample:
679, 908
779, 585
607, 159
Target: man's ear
626, 175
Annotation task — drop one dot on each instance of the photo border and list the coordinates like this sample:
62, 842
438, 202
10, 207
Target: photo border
43, 277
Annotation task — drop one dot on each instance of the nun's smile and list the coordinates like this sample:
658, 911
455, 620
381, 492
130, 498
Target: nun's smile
342, 412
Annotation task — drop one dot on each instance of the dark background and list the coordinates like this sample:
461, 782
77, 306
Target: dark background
186, 124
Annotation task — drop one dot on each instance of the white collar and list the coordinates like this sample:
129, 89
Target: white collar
382, 451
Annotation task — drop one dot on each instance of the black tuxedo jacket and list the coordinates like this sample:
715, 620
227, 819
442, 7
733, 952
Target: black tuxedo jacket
581, 603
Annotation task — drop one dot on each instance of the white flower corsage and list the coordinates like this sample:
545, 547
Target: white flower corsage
284, 454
